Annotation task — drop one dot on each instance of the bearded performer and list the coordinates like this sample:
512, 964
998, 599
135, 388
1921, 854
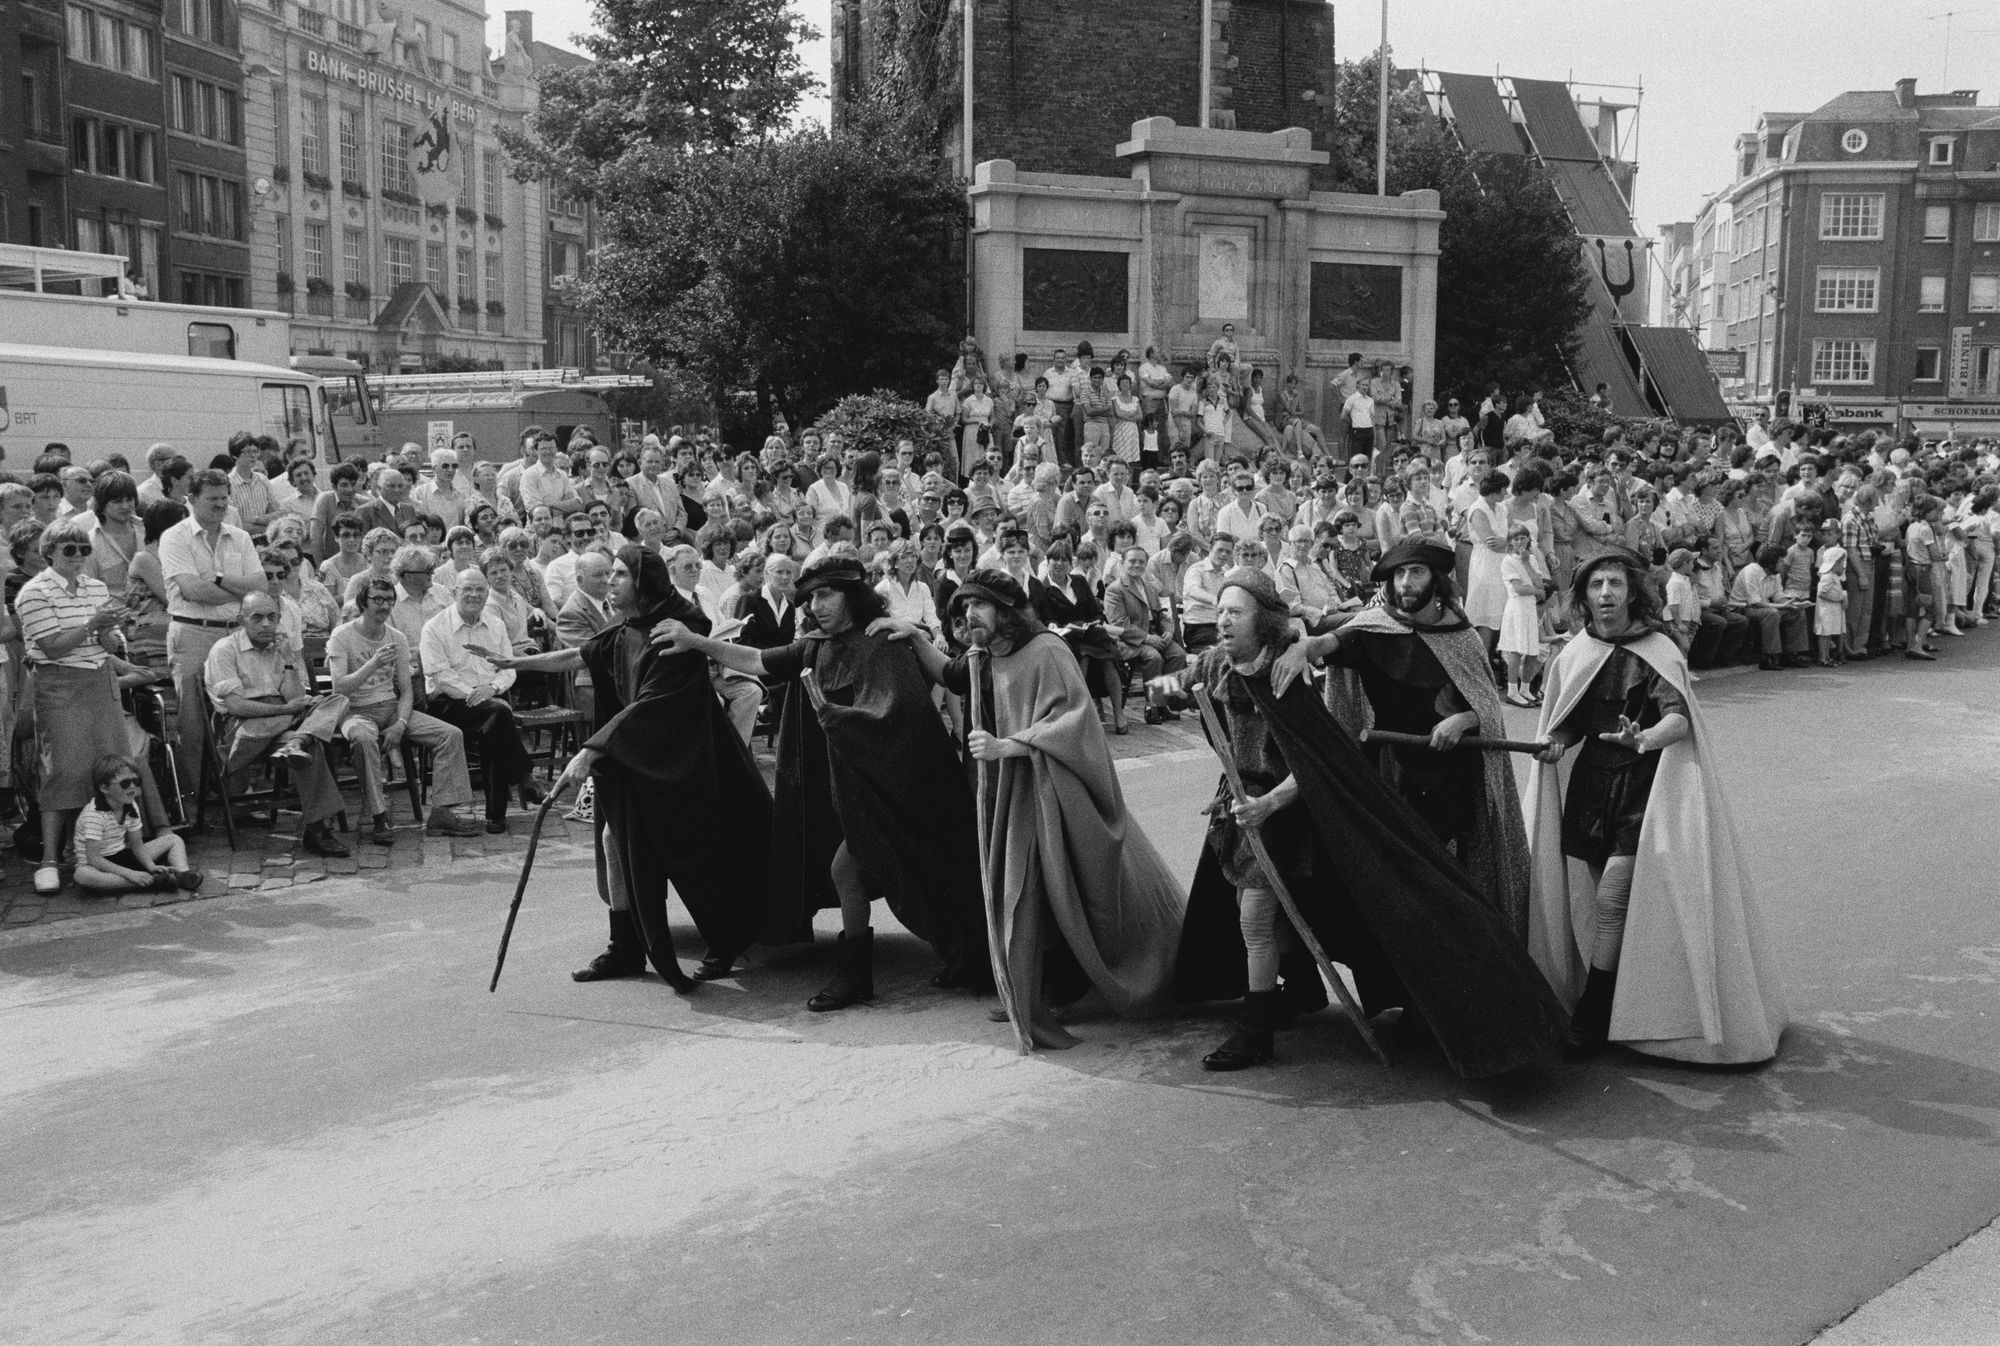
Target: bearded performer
1410, 662
871, 798
679, 800
1641, 914
1080, 898
1368, 875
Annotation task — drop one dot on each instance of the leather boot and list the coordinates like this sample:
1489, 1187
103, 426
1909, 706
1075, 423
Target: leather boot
625, 956
1591, 1024
853, 977
720, 963
1250, 1044
1302, 992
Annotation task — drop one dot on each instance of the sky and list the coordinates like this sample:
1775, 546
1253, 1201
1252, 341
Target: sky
1704, 69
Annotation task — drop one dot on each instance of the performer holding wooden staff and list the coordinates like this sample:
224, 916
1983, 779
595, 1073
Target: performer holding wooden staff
979, 709
1371, 879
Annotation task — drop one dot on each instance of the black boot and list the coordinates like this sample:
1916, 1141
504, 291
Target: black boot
625, 956
1250, 1044
1302, 991
720, 963
854, 974
1591, 1024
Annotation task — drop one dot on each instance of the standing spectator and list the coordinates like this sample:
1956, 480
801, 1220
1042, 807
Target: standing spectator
146, 594
391, 507
116, 537
371, 666
1357, 415
210, 567
64, 616
466, 691
1858, 539
1200, 586
446, 494
1521, 621
1486, 530
1830, 596
328, 509
250, 490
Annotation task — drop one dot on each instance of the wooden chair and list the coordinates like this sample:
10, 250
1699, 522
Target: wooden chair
215, 777
559, 719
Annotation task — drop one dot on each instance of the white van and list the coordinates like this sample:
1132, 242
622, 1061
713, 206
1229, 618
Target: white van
103, 402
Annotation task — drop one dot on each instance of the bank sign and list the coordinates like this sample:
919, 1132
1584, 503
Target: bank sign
371, 79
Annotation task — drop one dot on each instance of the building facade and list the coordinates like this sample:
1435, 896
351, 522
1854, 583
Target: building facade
1859, 268
570, 236
383, 217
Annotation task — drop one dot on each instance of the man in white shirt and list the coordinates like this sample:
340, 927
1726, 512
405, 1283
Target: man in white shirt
546, 482
466, 691
1242, 517
446, 494
510, 475
741, 693
1357, 413
1199, 589
1117, 494
152, 488
250, 489
1782, 629
210, 566
560, 575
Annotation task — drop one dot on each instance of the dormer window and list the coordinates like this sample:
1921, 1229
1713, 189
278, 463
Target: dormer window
1854, 141
1942, 152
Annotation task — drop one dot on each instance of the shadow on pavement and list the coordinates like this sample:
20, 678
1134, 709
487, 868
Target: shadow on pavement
193, 948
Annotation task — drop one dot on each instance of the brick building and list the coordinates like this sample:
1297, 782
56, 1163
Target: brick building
34, 154
1056, 87
206, 176
1855, 261
569, 238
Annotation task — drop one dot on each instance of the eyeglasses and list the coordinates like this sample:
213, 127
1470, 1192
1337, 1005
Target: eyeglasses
124, 783
71, 550
415, 570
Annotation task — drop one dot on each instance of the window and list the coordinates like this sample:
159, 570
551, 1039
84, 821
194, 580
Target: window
399, 261
104, 39
565, 259
1843, 360
350, 146
315, 251
353, 253
212, 340
1986, 222
199, 108
282, 226
1930, 364
205, 19
1854, 141
489, 177
1937, 223
467, 193
1930, 297
395, 157
1850, 215
1941, 150
209, 206
201, 287
1983, 295
465, 289
89, 234
493, 287
312, 135
434, 267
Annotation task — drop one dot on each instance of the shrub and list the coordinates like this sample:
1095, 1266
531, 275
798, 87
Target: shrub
877, 420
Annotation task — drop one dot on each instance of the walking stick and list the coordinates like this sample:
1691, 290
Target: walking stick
984, 776
1469, 741
1255, 837
527, 867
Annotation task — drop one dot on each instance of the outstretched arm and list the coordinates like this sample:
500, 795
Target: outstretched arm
672, 637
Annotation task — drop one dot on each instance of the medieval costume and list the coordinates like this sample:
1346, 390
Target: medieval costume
1079, 897
1642, 914
1368, 875
678, 798
872, 770
1395, 672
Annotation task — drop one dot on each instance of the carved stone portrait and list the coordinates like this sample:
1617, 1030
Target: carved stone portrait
1071, 290
1224, 293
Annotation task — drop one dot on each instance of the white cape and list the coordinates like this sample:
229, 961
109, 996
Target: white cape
1696, 979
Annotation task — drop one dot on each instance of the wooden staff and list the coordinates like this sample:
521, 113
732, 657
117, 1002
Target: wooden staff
1255, 837
1469, 741
527, 867
986, 774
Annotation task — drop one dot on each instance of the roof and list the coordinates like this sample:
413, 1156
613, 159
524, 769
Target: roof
410, 298
1592, 198
1553, 122
25, 267
1862, 105
74, 357
1680, 374
1484, 126
544, 55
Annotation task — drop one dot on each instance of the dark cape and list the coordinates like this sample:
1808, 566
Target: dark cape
1383, 897
874, 768
678, 798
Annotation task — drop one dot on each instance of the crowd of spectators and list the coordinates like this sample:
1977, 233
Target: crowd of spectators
363, 605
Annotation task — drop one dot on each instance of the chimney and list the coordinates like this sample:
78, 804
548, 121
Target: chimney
1906, 92
522, 21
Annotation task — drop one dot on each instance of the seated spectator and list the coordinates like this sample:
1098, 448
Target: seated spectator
466, 691
1783, 627
1134, 606
260, 683
370, 665
112, 853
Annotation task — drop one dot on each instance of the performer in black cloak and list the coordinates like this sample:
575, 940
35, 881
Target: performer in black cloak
871, 798
1370, 878
1410, 662
679, 800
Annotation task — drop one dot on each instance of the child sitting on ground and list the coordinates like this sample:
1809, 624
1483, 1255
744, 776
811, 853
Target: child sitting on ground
112, 853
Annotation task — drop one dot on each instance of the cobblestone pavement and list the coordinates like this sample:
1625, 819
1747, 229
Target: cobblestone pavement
272, 858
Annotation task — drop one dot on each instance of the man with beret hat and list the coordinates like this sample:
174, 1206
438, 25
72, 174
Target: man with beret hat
870, 797
1411, 663
1079, 898
1376, 886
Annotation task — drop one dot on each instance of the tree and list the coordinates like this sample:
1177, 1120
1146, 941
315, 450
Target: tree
667, 75
1512, 292
804, 267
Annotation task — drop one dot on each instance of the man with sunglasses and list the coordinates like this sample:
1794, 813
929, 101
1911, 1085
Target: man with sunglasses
560, 575
258, 679
370, 663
